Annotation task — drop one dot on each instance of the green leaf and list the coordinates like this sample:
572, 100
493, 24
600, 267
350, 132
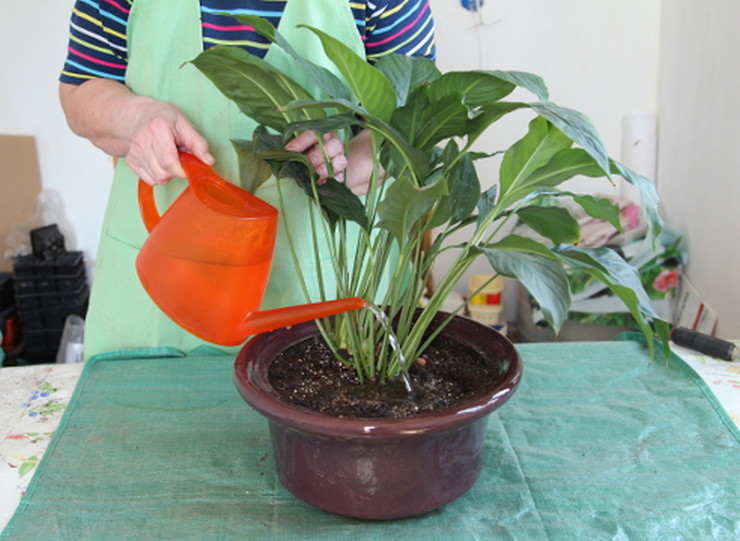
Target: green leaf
554, 223
324, 125
487, 203
600, 208
538, 270
611, 265
253, 170
372, 88
322, 77
464, 188
261, 25
259, 90
336, 197
28, 465
406, 73
578, 127
404, 204
529, 154
530, 81
564, 165
622, 279
489, 114
477, 88
424, 123
442, 211
648, 196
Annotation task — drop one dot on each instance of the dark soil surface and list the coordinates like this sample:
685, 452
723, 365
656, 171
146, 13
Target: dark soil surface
308, 375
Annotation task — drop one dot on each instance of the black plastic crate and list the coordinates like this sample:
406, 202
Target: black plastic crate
65, 273
48, 318
47, 242
6, 290
66, 266
49, 284
41, 346
54, 298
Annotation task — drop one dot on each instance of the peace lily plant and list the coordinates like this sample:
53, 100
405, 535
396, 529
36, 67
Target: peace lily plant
424, 126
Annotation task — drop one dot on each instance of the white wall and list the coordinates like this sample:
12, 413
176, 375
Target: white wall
699, 164
33, 35
599, 57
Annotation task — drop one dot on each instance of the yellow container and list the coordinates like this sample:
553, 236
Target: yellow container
487, 315
490, 295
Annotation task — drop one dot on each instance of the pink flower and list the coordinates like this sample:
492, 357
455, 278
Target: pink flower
666, 280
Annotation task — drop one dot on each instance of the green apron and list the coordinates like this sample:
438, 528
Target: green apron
163, 35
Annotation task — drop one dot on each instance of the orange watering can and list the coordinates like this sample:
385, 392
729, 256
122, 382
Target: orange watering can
207, 260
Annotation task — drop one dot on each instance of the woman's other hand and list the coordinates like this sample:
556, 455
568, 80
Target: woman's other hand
354, 168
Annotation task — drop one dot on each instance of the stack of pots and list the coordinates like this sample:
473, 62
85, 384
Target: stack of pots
48, 291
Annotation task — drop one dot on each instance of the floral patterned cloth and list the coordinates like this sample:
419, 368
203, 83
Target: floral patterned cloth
722, 378
32, 401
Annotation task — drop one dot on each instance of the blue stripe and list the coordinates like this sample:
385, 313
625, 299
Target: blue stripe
412, 13
243, 11
96, 8
87, 70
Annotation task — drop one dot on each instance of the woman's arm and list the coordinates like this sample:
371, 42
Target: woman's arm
147, 132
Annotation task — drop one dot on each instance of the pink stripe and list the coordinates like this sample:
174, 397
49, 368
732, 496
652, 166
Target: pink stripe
228, 28
95, 60
119, 6
404, 29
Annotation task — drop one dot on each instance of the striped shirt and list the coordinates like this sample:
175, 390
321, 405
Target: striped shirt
97, 38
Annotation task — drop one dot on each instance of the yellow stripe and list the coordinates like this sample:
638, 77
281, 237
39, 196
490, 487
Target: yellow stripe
392, 11
97, 22
112, 33
82, 15
79, 76
88, 45
246, 43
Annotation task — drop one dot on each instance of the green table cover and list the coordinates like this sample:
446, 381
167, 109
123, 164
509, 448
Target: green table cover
597, 443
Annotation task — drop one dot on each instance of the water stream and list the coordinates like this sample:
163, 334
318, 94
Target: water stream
382, 318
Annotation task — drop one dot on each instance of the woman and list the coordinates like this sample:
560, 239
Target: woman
127, 87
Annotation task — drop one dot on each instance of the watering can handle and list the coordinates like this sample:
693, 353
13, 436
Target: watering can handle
148, 206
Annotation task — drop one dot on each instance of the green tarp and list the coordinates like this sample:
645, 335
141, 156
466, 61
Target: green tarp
597, 443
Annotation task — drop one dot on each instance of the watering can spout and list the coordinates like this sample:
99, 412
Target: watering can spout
269, 320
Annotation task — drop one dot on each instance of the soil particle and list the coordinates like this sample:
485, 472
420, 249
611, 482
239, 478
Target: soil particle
308, 375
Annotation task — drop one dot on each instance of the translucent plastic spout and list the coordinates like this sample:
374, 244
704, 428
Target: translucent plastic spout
269, 320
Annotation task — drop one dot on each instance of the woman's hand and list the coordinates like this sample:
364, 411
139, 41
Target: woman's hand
354, 168
149, 133
320, 155
159, 132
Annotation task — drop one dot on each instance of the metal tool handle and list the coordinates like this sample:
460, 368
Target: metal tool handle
703, 343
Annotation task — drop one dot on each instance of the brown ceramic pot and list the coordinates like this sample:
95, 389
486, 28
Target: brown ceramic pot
377, 468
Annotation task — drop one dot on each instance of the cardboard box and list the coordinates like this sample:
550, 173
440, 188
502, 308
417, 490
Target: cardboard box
20, 185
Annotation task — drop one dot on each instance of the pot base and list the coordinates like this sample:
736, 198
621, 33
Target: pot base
380, 480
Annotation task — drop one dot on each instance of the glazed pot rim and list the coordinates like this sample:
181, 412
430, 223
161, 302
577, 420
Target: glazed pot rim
251, 378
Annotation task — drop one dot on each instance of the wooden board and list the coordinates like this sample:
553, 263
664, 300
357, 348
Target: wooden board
20, 185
